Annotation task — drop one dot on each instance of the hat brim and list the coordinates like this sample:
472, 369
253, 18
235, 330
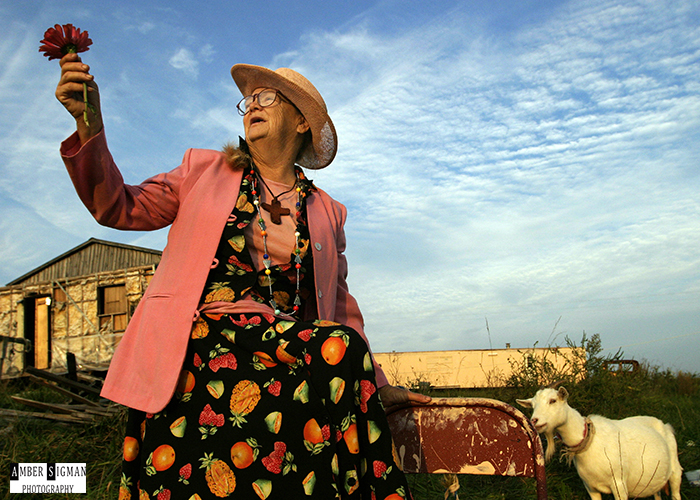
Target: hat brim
324, 144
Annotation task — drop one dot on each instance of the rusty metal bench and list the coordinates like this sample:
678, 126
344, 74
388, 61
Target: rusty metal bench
468, 436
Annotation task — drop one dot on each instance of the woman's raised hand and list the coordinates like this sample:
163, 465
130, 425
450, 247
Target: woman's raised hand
70, 93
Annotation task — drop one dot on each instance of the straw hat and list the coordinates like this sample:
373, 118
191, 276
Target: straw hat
321, 151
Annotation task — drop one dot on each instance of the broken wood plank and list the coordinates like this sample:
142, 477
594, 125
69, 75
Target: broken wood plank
86, 417
90, 378
62, 380
41, 405
67, 409
61, 390
102, 410
5, 412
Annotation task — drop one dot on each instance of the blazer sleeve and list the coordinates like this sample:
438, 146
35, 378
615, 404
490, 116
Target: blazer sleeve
347, 311
151, 205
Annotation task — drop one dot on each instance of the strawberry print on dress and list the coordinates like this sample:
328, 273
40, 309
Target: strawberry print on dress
265, 407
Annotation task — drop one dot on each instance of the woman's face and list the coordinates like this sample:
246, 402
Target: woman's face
280, 121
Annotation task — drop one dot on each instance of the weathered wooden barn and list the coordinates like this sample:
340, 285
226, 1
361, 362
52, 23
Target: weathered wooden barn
79, 303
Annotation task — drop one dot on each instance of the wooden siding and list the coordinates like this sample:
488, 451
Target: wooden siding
78, 321
92, 257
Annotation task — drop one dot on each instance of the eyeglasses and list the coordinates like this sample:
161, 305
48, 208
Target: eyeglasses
265, 98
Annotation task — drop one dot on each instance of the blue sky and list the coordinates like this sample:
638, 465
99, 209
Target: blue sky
533, 164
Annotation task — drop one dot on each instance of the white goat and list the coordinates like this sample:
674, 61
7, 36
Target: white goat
634, 457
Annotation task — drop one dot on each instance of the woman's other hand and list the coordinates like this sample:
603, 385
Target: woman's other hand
393, 395
69, 92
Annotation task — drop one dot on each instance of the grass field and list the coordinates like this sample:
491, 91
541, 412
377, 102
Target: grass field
672, 397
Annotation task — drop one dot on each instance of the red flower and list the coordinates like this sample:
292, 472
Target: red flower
61, 40
67, 39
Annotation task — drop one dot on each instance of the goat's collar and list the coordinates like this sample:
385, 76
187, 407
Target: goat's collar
588, 431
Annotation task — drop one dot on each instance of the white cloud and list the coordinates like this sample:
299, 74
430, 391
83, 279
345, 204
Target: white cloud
145, 27
537, 173
184, 60
207, 52
519, 170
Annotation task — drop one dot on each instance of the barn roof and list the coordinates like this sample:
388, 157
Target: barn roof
93, 256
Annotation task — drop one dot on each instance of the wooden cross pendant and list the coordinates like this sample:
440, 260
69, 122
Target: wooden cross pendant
276, 211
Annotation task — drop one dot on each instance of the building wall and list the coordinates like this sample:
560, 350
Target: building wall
74, 319
11, 316
464, 369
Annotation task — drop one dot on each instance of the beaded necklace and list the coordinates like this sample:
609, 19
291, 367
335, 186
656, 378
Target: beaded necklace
267, 261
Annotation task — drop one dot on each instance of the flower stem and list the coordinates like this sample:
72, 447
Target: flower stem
85, 100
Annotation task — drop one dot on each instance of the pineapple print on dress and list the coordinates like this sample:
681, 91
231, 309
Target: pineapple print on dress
220, 478
125, 488
220, 292
200, 329
244, 398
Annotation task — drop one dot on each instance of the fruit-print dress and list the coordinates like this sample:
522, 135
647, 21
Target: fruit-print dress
265, 407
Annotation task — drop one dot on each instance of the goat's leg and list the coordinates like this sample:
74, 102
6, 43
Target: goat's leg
595, 495
674, 483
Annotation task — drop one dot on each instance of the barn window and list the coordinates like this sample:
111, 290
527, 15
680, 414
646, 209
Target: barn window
112, 307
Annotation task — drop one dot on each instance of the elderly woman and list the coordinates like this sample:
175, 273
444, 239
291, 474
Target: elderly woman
245, 365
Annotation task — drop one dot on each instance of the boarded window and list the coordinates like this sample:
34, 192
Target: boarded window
59, 296
113, 308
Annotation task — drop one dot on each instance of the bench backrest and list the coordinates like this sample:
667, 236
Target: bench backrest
468, 436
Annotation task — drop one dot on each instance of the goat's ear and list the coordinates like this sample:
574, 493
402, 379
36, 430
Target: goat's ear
525, 403
563, 393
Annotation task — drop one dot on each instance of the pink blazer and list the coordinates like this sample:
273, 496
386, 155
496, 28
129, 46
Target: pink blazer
196, 198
